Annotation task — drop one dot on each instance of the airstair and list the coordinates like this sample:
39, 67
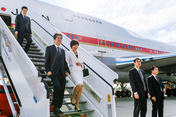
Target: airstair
33, 89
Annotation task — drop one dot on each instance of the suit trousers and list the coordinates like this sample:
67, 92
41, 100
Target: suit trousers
157, 106
27, 35
140, 105
59, 87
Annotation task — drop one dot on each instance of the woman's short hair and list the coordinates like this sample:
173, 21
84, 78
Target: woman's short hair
74, 42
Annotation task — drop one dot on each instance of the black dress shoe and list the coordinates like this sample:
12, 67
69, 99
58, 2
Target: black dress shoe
60, 112
56, 111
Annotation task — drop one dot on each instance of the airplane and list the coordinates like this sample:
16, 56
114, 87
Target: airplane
115, 46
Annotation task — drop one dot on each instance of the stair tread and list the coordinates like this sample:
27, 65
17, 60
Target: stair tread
49, 80
37, 53
65, 103
31, 46
39, 69
37, 60
35, 56
24, 42
39, 64
72, 112
34, 49
65, 96
67, 87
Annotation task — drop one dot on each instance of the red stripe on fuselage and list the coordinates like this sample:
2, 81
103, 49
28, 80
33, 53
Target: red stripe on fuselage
111, 44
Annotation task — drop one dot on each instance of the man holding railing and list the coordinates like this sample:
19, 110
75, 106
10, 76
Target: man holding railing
23, 28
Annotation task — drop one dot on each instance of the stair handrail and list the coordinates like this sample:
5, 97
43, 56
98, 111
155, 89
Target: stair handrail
83, 62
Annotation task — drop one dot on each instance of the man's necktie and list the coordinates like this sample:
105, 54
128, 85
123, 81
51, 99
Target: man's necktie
157, 80
58, 50
142, 78
24, 18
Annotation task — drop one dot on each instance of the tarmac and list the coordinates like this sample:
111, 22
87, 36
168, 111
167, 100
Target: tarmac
125, 106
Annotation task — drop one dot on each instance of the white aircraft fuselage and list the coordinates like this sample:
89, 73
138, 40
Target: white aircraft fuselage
104, 40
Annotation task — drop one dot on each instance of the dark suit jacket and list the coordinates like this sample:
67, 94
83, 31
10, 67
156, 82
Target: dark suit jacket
136, 83
155, 87
20, 24
55, 65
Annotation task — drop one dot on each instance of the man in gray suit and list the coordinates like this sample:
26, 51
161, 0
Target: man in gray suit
23, 28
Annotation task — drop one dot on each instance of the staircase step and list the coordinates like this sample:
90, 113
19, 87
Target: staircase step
37, 60
72, 112
25, 42
35, 56
67, 87
43, 75
41, 70
49, 80
39, 64
66, 103
33, 52
31, 46
34, 49
65, 96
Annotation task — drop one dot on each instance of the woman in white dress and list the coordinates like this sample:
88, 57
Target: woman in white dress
74, 59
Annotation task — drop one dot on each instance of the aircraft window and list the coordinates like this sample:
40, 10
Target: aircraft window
112, 44
127, 46
122, 46
103, 42
77, 37
96, 21
136, 48
119, 45
86, 18
82, 17
157, 52
90, 20
150, 50
74, 15
108, 43
72, 36
100, 22
133, 48
68, 35
115, 44
78, 16
141, 49
93, 20
130, 47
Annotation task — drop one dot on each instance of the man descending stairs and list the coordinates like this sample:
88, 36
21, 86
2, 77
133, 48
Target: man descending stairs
37, 57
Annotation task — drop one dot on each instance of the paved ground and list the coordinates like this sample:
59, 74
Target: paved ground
124, 107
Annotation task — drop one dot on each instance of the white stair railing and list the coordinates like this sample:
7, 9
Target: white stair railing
23, 74
97, 86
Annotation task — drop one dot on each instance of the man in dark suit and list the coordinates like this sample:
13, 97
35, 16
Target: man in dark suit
57, 69
157, 90
139, 86
23, 28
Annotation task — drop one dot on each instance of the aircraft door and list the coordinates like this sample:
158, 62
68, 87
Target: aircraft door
66, 14
101, 43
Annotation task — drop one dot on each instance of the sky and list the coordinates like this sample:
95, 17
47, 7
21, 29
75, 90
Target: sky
153, 19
